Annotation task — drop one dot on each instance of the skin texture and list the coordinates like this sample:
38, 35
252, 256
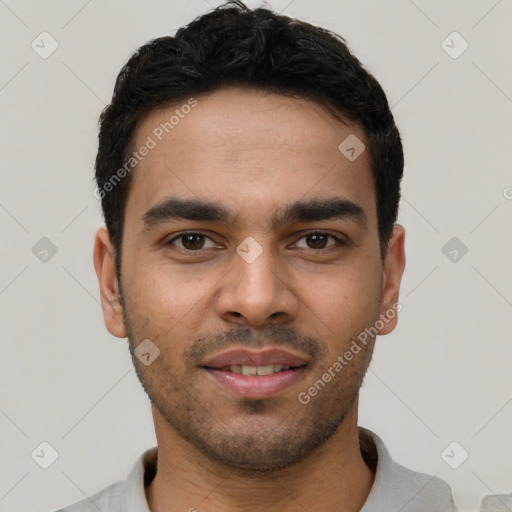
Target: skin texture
254, 153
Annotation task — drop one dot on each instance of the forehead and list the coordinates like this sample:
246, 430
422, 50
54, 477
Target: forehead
248, 148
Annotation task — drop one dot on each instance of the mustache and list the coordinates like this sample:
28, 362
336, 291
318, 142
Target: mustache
248, 337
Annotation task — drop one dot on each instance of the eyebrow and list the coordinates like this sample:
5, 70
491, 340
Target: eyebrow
320, 209
170, 209
190, 209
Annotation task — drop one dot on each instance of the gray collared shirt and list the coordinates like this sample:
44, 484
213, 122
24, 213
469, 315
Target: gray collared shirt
395, 488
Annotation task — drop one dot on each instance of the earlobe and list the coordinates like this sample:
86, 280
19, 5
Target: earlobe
393, 269
104, 264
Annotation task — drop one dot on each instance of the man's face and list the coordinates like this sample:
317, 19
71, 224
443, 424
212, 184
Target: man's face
285, 254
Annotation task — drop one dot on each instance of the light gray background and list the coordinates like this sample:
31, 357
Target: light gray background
444, 375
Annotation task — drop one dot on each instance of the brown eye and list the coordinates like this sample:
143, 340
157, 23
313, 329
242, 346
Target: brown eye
319, 240
192, 242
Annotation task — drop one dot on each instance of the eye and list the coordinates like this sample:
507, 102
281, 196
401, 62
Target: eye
319, 240
192, 241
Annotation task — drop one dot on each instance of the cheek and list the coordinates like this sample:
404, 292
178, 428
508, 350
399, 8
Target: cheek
346, 299
162, 297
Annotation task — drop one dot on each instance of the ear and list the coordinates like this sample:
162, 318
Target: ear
104, 264
392, 271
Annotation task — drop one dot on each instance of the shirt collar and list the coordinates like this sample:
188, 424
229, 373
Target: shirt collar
394, 488
133, 497
398, 488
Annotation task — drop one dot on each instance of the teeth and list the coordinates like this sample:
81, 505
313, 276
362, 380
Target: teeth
256, 370
249, 370
265, 370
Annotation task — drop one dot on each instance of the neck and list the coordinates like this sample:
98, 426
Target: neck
334, 479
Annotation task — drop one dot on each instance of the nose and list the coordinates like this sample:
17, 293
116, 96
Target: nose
257, 293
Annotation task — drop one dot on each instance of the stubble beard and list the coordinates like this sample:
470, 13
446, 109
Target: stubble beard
260, 447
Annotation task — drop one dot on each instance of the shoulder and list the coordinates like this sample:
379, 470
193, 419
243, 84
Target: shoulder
425, 492
124, 495
106, 500
396, 486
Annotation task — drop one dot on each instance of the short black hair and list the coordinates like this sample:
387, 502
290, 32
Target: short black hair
234, 46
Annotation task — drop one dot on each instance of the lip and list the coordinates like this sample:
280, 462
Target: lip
261, 387
246, 357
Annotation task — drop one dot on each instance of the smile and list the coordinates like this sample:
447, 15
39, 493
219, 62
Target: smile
256, 382
256, 374
256, 370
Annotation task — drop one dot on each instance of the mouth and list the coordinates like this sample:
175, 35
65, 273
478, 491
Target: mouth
251, 371
256, 375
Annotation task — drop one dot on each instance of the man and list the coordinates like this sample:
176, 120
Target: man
249, 171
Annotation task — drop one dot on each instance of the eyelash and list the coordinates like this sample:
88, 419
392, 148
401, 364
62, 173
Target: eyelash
340, 242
